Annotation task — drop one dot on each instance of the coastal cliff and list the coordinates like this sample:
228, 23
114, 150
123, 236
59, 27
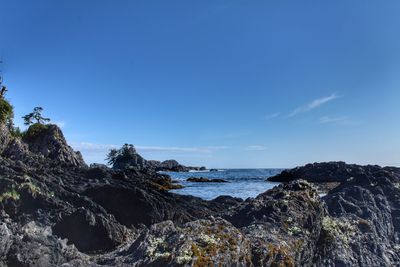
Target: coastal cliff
57, 211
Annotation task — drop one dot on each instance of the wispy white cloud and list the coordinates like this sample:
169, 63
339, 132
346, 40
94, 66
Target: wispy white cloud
337, 120
255, 148
87, 147
314, 104
272, 116
206, 149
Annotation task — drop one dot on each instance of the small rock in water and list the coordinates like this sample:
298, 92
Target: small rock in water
205, 180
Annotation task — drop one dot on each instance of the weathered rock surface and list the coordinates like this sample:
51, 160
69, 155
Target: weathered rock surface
129, 159
364, 227
91, 232
213, 242
49, 142
283, 224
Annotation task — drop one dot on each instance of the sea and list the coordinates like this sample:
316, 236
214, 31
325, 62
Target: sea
242, 183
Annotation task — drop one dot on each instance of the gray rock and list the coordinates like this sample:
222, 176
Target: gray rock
50, 143
213, 242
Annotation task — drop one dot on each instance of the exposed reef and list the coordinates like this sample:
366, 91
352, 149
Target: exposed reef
205, 180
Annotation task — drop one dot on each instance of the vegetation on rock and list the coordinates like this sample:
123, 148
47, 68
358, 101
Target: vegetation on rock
6, 111
125, 157
35, 117
34, 130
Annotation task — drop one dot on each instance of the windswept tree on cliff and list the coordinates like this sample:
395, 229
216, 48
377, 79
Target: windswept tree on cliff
35, 117
125, 157
127, 150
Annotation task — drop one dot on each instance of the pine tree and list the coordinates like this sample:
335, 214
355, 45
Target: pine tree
35, 117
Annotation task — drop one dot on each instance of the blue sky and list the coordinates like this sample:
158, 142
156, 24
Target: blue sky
215, 83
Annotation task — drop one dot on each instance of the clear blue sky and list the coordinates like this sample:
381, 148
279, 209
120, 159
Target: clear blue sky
215, 83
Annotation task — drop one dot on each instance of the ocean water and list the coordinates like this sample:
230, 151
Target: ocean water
243, 183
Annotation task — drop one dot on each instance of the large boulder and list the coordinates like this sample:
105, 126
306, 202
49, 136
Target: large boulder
364, 226
33, 245
213, 242
49, 142
282, 224
136, 205
91, 232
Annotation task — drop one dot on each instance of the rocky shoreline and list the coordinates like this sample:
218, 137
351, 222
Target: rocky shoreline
57, 211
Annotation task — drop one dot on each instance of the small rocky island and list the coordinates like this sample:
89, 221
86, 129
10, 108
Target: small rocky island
127, 157
57, 211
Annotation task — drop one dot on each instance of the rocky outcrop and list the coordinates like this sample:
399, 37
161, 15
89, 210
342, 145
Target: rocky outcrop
134, 206
325, 172
364, 227
171, 165
127, 157
282, 224
213, 242
133, 221
91, 232
33, 244
49, 142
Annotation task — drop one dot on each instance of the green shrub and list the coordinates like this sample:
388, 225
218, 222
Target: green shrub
34, 130
16, 132
6, 111
12, 194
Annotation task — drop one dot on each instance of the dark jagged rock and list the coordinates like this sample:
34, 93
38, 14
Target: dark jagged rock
364, 229
90, 232
213, 242
153, 164
98, 171
283, 224
32, 244
133, 206
205, 180
129, 159
172, 165
49, 142
166, 182
227, 201
324, 172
